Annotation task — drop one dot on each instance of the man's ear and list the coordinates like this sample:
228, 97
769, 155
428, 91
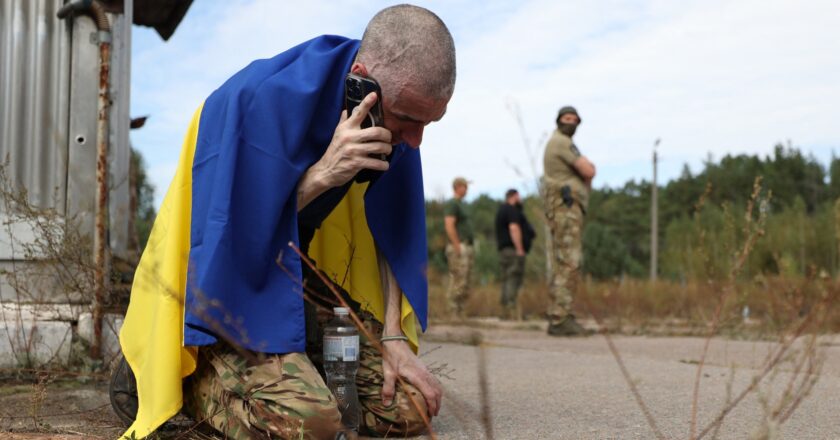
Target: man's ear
359, 69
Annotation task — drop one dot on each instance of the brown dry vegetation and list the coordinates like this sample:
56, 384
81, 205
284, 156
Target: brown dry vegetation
639, 306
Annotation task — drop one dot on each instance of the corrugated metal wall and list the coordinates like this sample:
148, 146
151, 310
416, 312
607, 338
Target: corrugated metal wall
48, 94
120, 126
34, 98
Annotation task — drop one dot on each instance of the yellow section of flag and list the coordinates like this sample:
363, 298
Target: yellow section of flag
153, 332
344, 249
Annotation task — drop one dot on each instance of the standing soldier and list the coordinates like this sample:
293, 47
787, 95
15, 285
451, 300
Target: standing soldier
567, 181
459, 250
514, 235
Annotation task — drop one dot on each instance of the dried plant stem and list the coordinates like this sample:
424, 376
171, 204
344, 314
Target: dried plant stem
484, 388
752, 234
204, 420
308, 293
626, 374
807, 357
807, 383
729, 383
770, 365
708, 340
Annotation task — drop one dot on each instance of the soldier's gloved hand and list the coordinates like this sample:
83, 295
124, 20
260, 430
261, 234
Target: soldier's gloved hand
399, 360
352, 146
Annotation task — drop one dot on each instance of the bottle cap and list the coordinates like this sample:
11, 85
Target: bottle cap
341, 311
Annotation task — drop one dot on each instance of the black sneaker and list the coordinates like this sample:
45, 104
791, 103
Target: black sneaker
123, 392
567, 327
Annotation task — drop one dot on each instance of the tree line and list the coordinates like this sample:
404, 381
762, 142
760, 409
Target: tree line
701, 217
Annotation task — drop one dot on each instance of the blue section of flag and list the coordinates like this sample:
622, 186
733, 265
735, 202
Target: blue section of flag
258, 133
396, 216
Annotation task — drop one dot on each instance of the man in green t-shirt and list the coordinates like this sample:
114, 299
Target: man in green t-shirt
459, 250
567, 181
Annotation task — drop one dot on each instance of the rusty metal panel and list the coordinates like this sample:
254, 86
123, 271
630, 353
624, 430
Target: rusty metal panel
48, 111
48, 79
34, 83
120, 150
84, 82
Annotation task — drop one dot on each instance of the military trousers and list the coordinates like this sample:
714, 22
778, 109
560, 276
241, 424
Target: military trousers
511, 274
460, 267
566, 227
248, 395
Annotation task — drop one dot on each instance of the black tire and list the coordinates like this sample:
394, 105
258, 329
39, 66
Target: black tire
122, 391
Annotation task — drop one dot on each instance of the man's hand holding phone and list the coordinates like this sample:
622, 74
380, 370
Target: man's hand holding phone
349, 152
352, 147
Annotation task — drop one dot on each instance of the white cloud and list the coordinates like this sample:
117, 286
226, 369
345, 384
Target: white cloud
705, 76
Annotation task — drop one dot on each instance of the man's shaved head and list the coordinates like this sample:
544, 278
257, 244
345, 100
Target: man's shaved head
408, 45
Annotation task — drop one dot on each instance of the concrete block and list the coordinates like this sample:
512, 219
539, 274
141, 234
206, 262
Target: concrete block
111, 324
12, 311
38, 342
37, 282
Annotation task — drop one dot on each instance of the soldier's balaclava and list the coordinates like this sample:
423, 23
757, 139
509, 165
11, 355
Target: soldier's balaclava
568, 129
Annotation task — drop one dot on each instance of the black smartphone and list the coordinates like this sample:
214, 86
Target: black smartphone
355, 89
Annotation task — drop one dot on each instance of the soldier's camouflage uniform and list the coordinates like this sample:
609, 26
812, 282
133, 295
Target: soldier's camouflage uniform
247, 395
565, 198
460, 267
281, 395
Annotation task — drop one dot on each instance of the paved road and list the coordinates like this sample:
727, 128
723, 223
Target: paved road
548, 388
539, 388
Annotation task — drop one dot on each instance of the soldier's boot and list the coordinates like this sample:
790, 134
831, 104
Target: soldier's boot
567, 326
123, 392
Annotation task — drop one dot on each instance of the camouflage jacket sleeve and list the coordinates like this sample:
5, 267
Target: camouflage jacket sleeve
561, 148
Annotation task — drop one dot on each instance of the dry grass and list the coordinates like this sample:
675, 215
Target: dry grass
639, 306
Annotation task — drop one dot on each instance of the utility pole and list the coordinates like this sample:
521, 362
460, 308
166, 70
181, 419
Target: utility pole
654, 219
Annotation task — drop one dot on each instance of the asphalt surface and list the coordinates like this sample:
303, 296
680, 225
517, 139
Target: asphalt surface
542, 387
538, 387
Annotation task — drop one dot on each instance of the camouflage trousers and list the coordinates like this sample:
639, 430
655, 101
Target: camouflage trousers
460, 267
247, 395
511, 271
566, 225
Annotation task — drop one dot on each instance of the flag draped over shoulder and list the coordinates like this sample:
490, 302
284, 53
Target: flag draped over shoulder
212, 265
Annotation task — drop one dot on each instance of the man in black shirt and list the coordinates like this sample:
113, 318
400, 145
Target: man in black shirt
514, 236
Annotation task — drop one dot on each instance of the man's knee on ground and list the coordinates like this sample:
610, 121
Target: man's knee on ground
317, 421
402, 418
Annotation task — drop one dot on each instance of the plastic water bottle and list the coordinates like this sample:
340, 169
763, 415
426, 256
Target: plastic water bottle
341, 360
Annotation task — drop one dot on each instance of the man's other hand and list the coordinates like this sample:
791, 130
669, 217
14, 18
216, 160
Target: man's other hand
351, 147
399, 360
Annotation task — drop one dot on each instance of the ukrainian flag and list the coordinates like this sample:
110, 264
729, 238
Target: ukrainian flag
211, 266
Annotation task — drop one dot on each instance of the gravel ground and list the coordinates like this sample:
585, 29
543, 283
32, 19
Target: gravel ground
539, 387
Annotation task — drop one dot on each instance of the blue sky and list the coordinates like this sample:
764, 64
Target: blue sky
707, 77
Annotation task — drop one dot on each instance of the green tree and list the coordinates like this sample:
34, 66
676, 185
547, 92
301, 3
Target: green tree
143, 196
604, 254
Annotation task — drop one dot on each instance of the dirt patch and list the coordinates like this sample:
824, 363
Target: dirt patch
57, 409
